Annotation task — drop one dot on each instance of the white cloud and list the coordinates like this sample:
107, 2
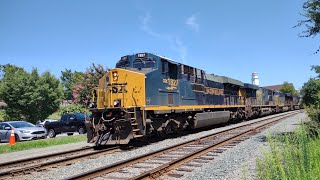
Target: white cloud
176, 44
180, 48
192, 23
146, 20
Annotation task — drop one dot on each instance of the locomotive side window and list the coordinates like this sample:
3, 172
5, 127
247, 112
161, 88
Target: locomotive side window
164, 67
169, 70
173, 71
185, 69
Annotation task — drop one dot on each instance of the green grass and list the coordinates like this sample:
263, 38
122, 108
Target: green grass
291, 156
20, 146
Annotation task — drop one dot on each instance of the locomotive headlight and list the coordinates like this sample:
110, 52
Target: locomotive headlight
116, 103
115, 76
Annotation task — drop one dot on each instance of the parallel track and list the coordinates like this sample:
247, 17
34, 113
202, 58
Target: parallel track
39, 163
163, 161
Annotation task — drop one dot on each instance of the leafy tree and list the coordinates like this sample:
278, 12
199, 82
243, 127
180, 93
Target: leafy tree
311, 89
29, 96
312, 23
316, 69
311, 92
90, 80
311, 95
288, 88
69, 79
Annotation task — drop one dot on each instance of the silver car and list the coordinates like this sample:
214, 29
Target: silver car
23, 131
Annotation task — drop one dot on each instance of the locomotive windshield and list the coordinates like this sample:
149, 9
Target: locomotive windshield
123, 64
142, 63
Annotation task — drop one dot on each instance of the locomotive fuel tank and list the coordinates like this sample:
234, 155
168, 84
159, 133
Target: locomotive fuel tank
210, 118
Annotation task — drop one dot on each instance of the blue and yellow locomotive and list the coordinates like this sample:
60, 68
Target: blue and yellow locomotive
148, 94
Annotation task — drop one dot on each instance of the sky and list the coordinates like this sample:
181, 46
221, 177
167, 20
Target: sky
231, 38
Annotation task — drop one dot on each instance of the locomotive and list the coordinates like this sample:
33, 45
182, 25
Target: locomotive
148, 94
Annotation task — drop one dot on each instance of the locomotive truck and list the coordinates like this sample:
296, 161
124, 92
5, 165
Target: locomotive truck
148, 94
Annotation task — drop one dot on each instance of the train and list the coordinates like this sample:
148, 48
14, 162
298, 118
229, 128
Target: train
147, 94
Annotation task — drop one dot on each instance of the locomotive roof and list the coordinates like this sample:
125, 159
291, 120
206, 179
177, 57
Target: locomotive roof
251, 86
228, 80
215, 78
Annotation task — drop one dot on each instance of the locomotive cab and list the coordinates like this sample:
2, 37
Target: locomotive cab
119, 94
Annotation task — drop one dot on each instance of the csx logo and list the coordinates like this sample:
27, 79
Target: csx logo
119, 90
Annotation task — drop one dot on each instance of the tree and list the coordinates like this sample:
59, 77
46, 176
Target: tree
311, 90
69, 79
316, 69
288, 88
82, 90
29, 96
312, 23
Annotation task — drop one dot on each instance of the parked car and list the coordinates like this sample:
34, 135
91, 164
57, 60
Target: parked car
69, 123
23, 131
41, 123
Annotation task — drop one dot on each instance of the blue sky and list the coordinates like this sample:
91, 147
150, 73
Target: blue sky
232, 38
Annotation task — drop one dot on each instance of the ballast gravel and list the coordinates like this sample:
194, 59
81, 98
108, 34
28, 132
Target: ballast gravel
231, 164
239, 162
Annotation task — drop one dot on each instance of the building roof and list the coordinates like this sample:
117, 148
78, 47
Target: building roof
274, 87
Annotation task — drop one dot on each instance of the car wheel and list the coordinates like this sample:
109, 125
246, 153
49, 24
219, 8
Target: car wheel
16, 138
51, 133
81, 130
70, 134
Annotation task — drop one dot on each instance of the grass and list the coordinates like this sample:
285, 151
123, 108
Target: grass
20, 146
291, 156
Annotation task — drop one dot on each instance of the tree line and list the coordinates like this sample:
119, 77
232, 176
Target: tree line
32, 96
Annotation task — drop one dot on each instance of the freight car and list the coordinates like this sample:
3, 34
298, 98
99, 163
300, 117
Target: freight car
147, 94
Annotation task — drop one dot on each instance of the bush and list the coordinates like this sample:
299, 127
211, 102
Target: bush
293, 156
313, 113
74, 108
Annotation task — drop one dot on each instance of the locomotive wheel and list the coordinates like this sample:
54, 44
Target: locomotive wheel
162, 134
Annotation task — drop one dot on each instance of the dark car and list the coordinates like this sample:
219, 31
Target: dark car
69, 123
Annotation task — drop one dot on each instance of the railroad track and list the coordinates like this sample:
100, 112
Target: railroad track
170, 161
45, 162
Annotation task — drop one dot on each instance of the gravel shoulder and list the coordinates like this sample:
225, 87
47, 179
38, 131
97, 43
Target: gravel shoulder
240, 162
221, 168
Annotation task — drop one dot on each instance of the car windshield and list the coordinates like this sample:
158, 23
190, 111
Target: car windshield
21, 124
